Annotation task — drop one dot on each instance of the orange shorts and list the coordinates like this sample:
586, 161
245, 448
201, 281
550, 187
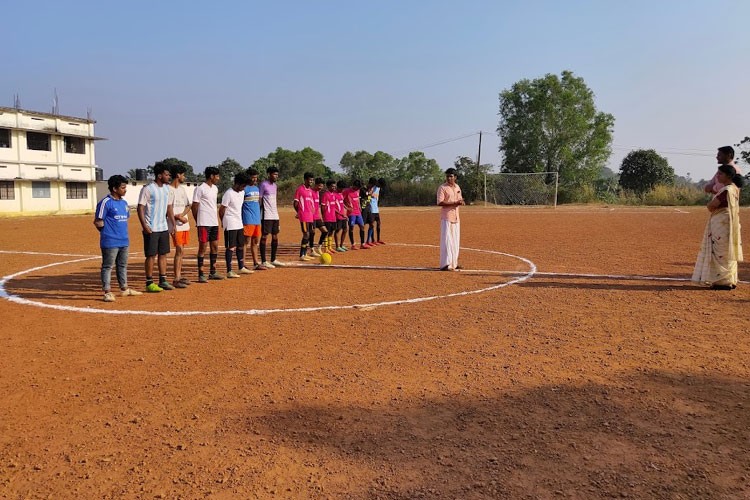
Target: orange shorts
251, 230
181, 238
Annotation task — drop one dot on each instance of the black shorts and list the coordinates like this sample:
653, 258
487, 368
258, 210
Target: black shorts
319, 223
234, 238
341, 225
331, 226
156, 243
208, 233
307, 227
269, 227
372, 218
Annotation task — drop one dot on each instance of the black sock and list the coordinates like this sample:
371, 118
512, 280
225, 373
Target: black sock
322, 238
263, 250
162, 278
149, 280
241, 258
228, 254
274, 248
351, 236
303, 247
200, 265
361, 236
378, 230
212, 259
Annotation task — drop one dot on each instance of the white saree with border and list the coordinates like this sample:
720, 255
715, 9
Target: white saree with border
721, 249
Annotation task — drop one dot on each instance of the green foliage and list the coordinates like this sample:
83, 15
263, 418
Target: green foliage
470, 178
363, 165
743, 155
294, 164
190, 175
643, 169
227, 170
417, 168
405, 193
551, 125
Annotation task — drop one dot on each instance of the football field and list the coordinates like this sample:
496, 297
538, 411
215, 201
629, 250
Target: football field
571, 357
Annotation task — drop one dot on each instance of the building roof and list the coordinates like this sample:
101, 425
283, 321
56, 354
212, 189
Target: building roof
46, 115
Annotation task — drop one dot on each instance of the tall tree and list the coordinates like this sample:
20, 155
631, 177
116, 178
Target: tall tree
363, 165
551, 124
227, 170
293, 164
190, 175
744, 152
469, 178
416, 167
643, 169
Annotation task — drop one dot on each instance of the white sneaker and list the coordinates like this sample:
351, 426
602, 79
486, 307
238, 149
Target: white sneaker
268, 265
109, 297
276, 263
306, 258
129, 292
245, 270
232, 274
314, 252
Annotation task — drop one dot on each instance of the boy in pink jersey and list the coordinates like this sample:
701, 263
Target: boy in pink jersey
341, 220
351, 202
317, 220
304, 205
328, 204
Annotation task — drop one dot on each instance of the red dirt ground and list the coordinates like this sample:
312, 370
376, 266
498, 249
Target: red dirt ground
557, 387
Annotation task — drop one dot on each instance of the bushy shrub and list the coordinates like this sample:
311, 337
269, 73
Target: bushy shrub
401, 193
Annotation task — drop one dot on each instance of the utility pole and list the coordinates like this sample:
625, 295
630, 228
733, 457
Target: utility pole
479, 159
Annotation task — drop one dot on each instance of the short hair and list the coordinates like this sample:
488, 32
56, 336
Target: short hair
116, 181
176, 170
357, 183
727, 150
341, 184
330, 182
159, 168
451, 171
381, 182
251, 172
309, 175
241, 178
272, 170
372, 181
318, 180
211, 171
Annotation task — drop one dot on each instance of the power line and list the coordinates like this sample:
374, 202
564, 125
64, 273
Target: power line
438, 143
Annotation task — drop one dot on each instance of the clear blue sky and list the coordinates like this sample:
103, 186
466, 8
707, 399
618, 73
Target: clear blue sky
203, 81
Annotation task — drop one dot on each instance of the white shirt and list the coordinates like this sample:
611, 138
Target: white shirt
233, 201
206, 196
181, 200
156, 200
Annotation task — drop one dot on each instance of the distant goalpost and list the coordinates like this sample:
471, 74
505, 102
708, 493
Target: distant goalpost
531, 188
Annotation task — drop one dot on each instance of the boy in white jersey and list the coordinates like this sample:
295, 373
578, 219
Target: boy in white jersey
231, 218
181, 235
204, 213
155, 215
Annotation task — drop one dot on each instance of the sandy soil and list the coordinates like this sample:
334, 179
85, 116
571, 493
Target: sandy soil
561, 386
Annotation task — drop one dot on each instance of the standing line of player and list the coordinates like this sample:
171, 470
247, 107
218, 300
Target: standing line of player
248, 213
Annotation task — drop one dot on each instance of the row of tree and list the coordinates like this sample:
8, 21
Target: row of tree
548, 124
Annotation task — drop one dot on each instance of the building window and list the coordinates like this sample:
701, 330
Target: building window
40, 189
76, 190
4, 138
7, 191
38, 141
75, 145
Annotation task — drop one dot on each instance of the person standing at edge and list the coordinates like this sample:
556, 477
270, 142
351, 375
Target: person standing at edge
449, 198
269, 218
724, 156
207, 220
111, 220
156, 217
181, 235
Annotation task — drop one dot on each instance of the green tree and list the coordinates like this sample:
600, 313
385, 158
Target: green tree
744, 152
643, 169
551, 125
470, 179
190, 175
227, 170
416, 167
363, 165
293, 164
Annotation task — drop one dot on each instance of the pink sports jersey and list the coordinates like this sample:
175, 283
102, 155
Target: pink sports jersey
316, 203
329, 206
340, 209
305, 203
351, 195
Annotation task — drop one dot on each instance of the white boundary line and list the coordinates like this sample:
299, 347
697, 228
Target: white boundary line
23, 301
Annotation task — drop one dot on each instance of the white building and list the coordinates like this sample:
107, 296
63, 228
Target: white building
47, 163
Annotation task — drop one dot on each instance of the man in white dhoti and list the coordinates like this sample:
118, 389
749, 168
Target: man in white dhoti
449, 198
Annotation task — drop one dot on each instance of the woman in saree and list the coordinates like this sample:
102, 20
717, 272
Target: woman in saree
722, 247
